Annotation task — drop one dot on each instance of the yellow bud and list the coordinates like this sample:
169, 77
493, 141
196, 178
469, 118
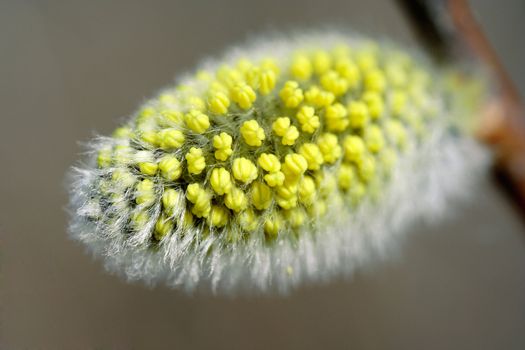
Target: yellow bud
170, 139
321, 62
348, 70
388, 158
357, 192
414, 121
334, 83
123, 133
295, 217
358, 114
317, 209
375, 81
281, 125
354, 148
216, 86
139, 219
341, 51
170, 167
196, 162
336, 117
220, 181
294, 165
244, 65
248, 220
326, 183
267, 80
375, 104
312, 154
223, 140
366, 167
148, 168
301, 67
144, 156
329, 147
272, 225
253, 76
374, 138
269, 162
366, 60
187, 219
203, 75
345, 176
287, 196
306, 190
243, 95
122, 178
197, 121
196, 103
169, 116
318, 97
287, 191
274, 179
219, 102
269, 63
192, 192
398, 101
244, 170
104, 158
200, 198
163, 227
286, 203
218, 216
236, 200
167, 98
261, 195
145, 192
252, 133
118, 201
396, 133
171, 200
123, 155
150, 137
291, 94
106, 187
223, 154
146, 113
290, 136
308, 120
222, 143
229, 76
396, 75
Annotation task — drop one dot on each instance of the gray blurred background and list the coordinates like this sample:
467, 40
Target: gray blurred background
69, 68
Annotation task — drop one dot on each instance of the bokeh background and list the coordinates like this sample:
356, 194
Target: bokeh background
70, 68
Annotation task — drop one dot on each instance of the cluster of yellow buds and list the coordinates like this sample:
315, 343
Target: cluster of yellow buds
275, 166
265, 146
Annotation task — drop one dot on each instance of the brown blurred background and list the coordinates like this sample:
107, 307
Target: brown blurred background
69, 68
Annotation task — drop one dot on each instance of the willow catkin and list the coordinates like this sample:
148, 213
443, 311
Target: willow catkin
290, 160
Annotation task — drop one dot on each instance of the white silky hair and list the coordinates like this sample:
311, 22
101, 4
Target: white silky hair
424, 184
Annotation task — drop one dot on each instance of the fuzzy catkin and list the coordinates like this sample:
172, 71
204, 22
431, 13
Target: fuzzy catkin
290, 160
